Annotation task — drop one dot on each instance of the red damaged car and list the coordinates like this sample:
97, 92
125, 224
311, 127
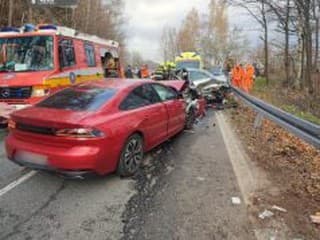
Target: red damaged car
97, 127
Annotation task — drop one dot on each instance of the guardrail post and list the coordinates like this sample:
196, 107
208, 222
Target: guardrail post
258, 121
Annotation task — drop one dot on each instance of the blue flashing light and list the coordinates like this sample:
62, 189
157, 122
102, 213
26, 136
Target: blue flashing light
29, 27
9, 29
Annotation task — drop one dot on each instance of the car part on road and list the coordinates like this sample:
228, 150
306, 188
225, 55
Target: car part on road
266, 214
316, 218
131, 156
236, 200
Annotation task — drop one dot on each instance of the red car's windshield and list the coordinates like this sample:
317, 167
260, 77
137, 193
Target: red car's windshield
80, 98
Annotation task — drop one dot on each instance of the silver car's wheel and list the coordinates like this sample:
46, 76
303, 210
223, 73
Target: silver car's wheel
131, 156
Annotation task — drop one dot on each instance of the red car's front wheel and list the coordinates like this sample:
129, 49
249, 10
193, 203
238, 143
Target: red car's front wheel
131, 156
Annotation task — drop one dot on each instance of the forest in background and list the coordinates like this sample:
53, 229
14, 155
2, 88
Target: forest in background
289, 38
99, 17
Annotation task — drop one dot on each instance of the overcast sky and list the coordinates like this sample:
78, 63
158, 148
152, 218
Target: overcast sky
146, 19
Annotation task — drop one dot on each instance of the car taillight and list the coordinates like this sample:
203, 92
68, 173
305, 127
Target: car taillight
80, 133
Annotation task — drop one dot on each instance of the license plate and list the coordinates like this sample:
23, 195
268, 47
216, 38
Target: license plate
29, 157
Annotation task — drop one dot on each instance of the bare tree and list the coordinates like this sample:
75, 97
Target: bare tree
260, 11
188, 36
304, 10
168, 43
215, 31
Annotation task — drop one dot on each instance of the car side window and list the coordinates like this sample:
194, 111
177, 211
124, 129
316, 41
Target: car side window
141, 96
165, 93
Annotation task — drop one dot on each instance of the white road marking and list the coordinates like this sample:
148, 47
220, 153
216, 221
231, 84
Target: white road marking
17, 182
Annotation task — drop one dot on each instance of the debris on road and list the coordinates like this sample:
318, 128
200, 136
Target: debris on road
201, 179
189, 131
266, 214
159, 151
169, 170
236, 200
280, 209
316, 218
283, 157
147, 160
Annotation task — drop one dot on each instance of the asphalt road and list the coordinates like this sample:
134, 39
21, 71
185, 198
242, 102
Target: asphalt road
184, 191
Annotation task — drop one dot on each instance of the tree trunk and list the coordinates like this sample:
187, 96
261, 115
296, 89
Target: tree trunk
88, 15
302, 70
74, 23
30, 13
286, 53
266, 41
10, 13
266, 54
316, 54
308, 49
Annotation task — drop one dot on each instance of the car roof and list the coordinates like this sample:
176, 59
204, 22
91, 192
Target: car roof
197, 70
118, 84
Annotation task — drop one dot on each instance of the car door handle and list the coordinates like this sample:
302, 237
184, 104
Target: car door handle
146, 117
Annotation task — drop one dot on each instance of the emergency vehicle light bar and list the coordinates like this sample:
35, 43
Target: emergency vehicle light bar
10, 29
59, 30
47, 27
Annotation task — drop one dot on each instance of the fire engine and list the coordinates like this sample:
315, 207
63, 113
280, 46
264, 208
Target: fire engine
36, 61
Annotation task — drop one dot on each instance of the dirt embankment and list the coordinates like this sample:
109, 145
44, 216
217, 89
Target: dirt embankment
292, 166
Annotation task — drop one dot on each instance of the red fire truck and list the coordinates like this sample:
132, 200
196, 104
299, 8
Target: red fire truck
36, 61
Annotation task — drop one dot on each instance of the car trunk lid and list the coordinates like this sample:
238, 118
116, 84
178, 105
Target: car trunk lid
48, 118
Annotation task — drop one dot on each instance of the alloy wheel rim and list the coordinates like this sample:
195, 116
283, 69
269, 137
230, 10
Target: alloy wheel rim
133, 155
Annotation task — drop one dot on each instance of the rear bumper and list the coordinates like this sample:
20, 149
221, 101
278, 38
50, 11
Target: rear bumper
69, 161
68, 174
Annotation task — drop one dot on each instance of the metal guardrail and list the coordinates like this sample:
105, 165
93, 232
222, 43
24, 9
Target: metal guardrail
301, 128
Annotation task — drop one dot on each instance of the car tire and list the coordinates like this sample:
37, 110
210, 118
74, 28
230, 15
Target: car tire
131, 156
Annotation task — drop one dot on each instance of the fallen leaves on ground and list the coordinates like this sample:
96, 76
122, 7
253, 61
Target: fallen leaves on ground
278, 149
292, 166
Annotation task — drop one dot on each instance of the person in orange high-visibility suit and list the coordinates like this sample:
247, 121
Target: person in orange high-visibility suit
236, 76
249, 77
144, 71
241, 76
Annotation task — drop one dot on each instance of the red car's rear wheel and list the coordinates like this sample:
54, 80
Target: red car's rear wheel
131, 156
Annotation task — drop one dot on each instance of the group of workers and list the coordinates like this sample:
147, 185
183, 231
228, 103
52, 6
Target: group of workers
243, 77
165, 71
142, 72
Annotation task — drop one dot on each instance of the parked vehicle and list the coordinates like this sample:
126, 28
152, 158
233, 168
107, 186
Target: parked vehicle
99, 127
37, 61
